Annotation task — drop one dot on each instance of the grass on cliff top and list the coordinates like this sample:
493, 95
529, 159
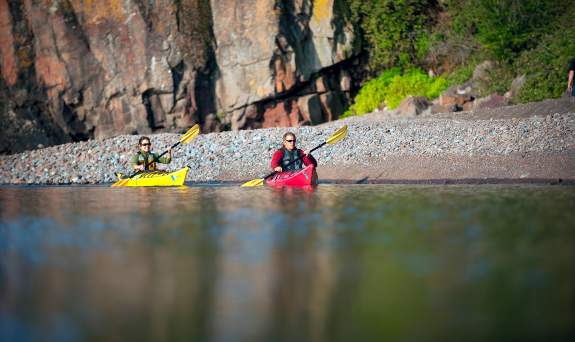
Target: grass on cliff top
392, 86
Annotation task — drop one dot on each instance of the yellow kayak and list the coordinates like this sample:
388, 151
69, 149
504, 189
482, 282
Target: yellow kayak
156, 178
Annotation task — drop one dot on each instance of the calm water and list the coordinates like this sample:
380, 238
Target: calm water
357, 262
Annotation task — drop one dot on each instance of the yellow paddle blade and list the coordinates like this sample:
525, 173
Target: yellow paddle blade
254, 182
338, 135
190, 134
121, 182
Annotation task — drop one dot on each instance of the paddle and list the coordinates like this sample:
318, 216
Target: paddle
336, 137
184, 139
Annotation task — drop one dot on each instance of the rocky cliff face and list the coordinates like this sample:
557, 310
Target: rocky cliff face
80, 69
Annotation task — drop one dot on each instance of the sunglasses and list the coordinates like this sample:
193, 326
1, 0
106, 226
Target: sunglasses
146, 144
290, 141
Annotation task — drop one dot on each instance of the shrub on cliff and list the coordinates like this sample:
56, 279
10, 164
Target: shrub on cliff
396, 31
392, 86
532, 37
546, 65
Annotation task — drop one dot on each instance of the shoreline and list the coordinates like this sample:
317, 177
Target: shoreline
531, 143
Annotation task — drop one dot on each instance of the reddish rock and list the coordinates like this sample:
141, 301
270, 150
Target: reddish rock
8, 59
103, 68
253, 46
491, 101
436, 108
282, 114
285, 77
449, 99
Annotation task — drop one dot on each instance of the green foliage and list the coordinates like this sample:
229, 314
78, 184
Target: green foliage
531, 37
500, 80
396, 31
546, 66
504, 27
391, 87
372, 93
461, 74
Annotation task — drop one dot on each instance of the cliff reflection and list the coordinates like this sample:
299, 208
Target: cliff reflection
336, 263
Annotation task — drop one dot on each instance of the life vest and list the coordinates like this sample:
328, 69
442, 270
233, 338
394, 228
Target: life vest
149, 163
288, 157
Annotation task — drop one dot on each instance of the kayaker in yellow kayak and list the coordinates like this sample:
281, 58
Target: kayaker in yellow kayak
283, 159
145, 160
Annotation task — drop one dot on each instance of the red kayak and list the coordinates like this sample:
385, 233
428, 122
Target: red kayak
304, 177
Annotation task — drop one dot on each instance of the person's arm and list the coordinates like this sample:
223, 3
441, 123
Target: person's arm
308, 158
135, 165
163, 159
570, 81
276, 160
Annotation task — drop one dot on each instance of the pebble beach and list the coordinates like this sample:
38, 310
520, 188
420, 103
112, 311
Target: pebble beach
481, 145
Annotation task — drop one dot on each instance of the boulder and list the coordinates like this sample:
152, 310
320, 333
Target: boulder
412, 106
491, 101
483, 71
437, 108
516, 86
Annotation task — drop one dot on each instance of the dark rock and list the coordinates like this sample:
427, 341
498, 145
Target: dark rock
311, 109
333, 105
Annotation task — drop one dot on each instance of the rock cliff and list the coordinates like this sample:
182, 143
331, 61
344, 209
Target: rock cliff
80, 69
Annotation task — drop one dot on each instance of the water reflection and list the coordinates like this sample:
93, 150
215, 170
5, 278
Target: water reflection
334, 263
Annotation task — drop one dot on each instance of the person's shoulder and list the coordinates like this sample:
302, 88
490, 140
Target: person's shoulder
135, 157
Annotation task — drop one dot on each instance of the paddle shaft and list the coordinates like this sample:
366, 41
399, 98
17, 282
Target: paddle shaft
298, 158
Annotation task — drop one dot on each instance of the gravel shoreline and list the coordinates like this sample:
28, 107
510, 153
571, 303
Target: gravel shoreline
484, 145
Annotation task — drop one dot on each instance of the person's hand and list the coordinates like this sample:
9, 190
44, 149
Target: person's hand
570, 89
306, 153
278, 169
139, 167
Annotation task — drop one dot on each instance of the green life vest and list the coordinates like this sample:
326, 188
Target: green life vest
290, 156
149, 162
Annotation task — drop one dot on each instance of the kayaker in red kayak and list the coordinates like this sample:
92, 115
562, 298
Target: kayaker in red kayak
290, 152
145, 160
